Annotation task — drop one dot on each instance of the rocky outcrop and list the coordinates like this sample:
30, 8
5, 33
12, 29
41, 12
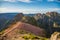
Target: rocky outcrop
55, 35
18, 17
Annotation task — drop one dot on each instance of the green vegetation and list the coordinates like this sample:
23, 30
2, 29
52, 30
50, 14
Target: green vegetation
28, 35
30, 20
1, 32
33, 37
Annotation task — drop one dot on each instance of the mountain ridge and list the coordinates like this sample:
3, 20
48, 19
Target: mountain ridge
27, 27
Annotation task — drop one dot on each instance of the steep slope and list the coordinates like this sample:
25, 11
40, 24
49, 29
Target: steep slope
4, 19
27, 27
7, 18
15, 30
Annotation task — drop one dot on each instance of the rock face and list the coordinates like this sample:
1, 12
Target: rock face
18, 17
38, 16
29, 20
51, 13
55, 35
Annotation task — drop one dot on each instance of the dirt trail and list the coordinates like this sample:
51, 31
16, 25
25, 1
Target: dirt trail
11, 29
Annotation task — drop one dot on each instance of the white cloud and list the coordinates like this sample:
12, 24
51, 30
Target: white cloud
10, 0
6, 10
26, 1
50, 10
51, 0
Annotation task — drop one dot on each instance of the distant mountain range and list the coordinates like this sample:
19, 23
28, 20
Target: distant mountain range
50, 21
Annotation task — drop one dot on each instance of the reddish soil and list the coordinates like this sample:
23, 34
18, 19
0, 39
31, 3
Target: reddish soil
30, 28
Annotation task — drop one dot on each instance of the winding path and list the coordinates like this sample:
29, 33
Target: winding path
11, 29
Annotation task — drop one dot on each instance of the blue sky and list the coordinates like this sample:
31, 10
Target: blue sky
29, 6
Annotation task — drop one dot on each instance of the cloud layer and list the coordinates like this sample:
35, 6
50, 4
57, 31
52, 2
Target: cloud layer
27, 1
50, 0
5, 10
